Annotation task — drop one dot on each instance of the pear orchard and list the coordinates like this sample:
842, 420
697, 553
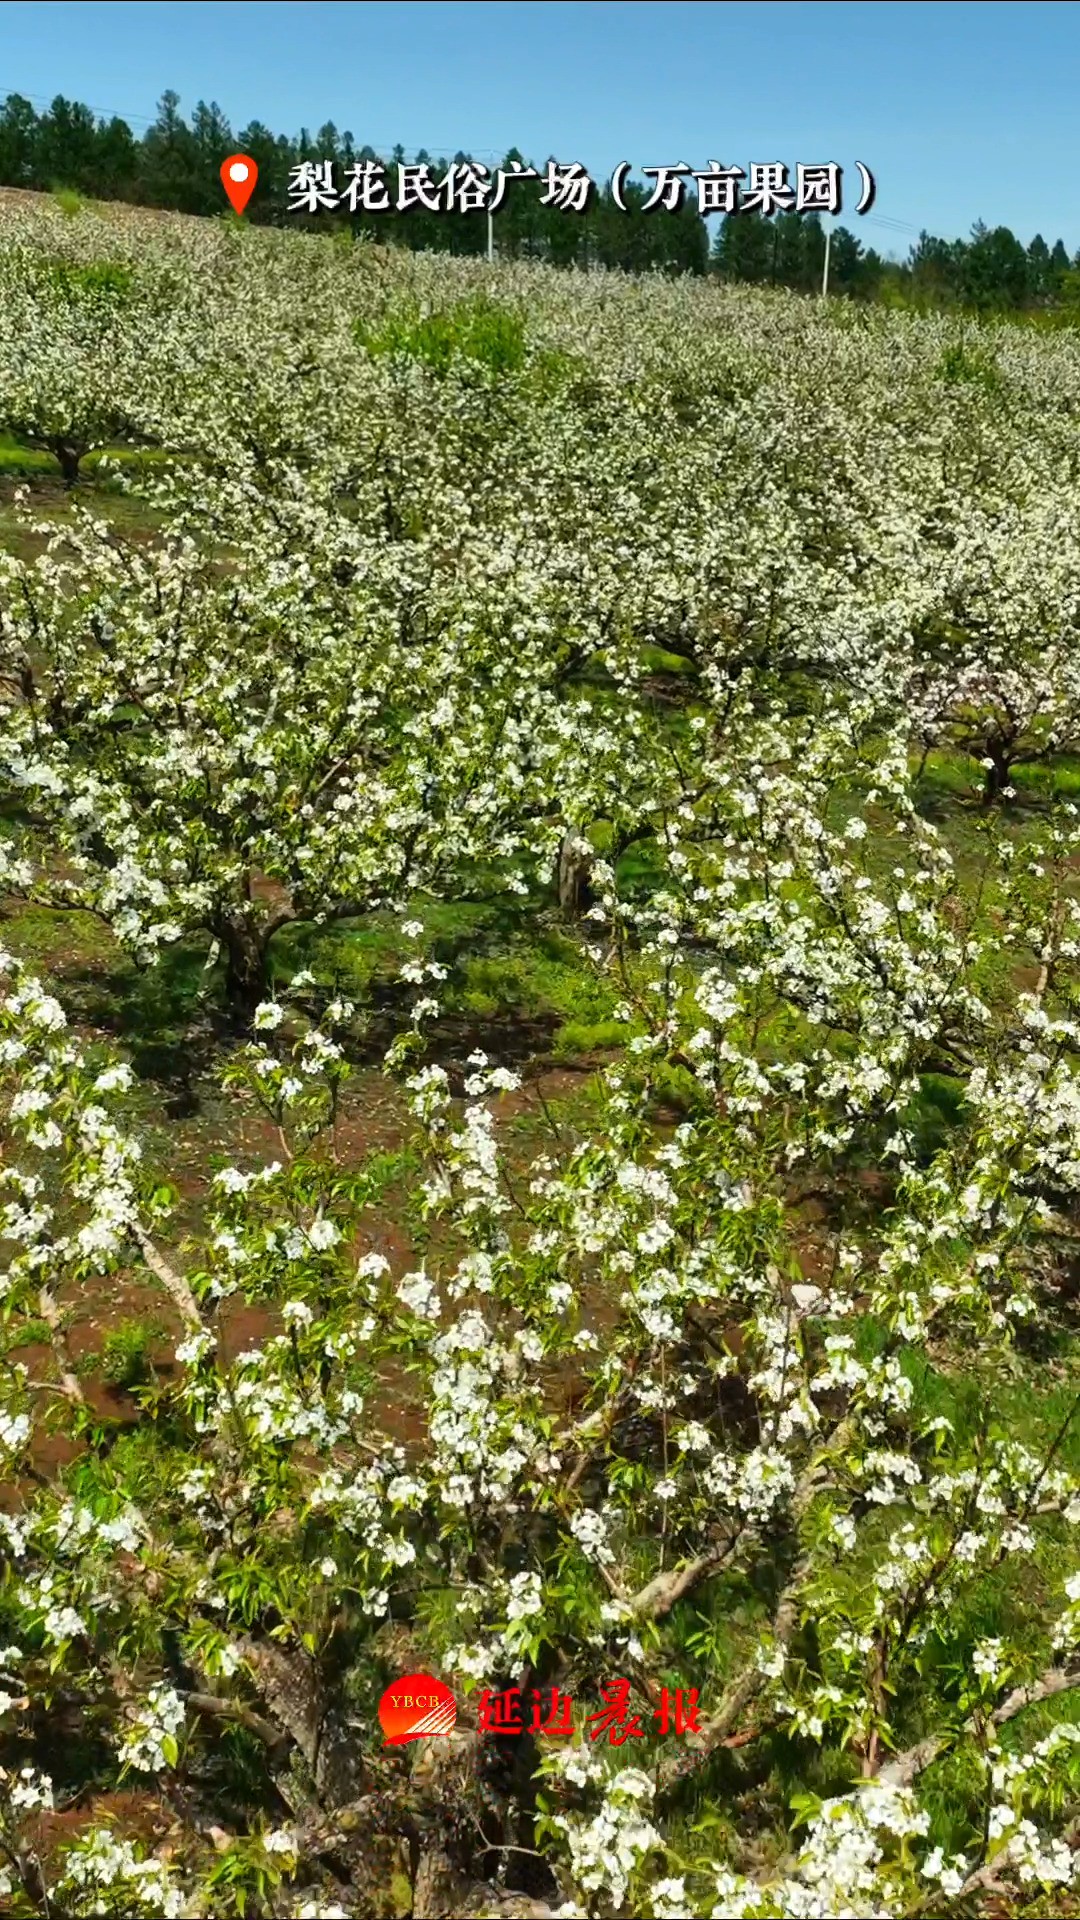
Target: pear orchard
725, 646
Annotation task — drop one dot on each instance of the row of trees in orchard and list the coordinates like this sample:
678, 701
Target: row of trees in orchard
720, 647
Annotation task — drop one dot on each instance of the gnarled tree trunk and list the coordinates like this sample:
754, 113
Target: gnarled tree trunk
573, 875
244, 952
69, 456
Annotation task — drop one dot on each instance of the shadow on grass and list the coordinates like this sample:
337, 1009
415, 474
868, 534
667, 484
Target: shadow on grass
174, 1026
516, 985
170, 1027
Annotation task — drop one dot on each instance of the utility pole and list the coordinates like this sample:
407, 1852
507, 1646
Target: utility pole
491, 237
825, 272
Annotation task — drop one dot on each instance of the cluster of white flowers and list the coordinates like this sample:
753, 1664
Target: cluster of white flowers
100, 1864
608, 1847
149, 1741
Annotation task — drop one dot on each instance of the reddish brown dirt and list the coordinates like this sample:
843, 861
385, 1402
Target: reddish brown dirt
815, 1258
131, 1816
243, 1325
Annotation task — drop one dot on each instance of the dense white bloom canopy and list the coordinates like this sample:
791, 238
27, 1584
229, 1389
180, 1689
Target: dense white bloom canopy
717, 652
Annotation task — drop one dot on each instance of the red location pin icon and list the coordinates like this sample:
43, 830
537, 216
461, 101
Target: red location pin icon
238, 177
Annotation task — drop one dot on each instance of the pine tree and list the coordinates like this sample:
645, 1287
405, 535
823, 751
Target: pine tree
744, 246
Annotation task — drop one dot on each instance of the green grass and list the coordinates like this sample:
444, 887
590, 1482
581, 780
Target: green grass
1057, 779
16, 458
148, 1010
126, 1358
131, 517
659, 660
952, 783
499, 968
497, 964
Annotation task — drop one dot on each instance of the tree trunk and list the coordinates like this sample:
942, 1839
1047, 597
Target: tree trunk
69, 457
292, 1690
997, 777
245, 964
574, 868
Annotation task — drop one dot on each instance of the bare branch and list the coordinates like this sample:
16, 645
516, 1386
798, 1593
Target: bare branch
69, 1383
174, 1283
217, 1709
665, 1589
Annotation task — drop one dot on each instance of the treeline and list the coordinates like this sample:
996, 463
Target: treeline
992, 272
176, 165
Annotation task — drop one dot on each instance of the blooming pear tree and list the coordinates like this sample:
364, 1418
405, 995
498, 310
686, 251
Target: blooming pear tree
74, 342
231, 751
1000, 681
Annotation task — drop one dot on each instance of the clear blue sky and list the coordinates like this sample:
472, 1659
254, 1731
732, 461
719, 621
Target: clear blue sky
962, 110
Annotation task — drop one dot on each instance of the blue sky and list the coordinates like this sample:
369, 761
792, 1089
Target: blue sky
962, 110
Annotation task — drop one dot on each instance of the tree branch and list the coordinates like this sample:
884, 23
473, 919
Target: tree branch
715, 1731
174, 1283
69, 1383
664, 1590
215, 1708
906, 1767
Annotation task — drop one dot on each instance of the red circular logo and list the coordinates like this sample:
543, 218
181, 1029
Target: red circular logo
416, 1708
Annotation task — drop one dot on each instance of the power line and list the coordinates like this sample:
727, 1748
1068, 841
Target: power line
40, 100
446, 152
385, 145
894, 226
